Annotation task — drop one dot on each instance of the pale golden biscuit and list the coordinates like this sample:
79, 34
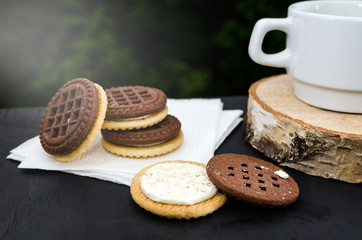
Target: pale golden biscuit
93, 133
174, 211
146, 151
136, 123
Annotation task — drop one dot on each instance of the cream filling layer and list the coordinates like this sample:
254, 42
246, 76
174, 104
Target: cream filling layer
177, 183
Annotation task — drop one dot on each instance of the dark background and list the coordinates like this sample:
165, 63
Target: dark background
186, 48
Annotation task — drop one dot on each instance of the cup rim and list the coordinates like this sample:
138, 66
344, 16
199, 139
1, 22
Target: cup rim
297, 7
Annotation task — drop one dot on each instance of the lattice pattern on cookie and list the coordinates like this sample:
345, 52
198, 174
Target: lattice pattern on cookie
129, 96
64, 113
127, 102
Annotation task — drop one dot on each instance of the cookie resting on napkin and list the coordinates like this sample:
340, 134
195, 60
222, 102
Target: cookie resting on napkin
205, 125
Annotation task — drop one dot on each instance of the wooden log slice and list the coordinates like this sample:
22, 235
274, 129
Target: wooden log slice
312, 140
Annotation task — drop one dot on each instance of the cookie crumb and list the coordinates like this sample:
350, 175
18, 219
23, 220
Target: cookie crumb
282, 174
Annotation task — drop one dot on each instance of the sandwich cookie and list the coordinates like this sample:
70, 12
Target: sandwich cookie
176, 189
156, 140
252, 180
134, 107
72, 120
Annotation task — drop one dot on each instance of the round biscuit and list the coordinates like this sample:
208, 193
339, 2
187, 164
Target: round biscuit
252, 180
146, 151
174, 211
138, 123
164, 131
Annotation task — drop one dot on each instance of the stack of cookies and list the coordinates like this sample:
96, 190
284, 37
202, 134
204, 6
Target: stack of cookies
137, 123
134, 121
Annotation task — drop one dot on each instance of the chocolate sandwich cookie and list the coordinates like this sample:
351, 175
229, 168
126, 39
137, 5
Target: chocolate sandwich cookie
134, 107
156, 140
164, 131
252, 180
72, 119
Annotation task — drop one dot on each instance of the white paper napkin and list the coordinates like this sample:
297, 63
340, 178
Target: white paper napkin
204, 124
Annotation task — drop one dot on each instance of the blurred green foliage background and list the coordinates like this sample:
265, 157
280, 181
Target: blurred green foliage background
186, 48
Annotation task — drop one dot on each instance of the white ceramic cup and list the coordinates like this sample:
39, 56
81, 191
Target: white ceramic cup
323, 52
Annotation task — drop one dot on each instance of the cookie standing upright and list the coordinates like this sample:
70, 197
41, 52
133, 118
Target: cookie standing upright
72, 119
252, 180
134, 107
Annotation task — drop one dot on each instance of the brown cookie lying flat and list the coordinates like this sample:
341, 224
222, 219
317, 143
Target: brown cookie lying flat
252, 180
156, 140
134, 101
134, 107
164, 131
72, 119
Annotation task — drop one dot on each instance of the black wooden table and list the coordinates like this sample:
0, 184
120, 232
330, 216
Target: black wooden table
36, 204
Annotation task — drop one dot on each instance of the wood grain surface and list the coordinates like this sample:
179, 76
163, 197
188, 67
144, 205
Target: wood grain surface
295, 134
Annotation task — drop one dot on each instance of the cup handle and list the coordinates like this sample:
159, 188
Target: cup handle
261, 28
